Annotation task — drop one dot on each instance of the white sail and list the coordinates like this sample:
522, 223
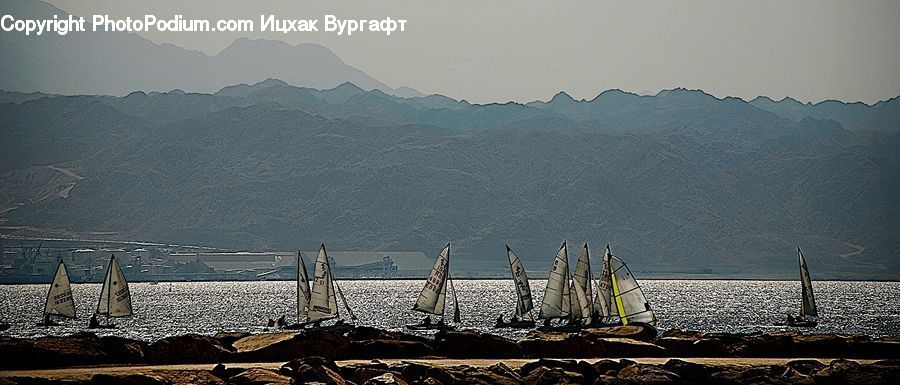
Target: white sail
581, 306
808, 304
59, 297
557, 296
524, 303
582, 277
602, 300
323, 299
303, 293
115, 299
431, 299
629, 299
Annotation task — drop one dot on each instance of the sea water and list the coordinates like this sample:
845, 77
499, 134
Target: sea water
175, 308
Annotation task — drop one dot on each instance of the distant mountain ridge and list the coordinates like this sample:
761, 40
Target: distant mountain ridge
114, 63
677, 182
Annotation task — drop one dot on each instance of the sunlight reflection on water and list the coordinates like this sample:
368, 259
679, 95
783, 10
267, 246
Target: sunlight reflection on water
209, 307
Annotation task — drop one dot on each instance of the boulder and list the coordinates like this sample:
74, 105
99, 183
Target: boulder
77, 349
415, 372
467, 344
189, 348
360, 375
567, 365
285, 346
124, 350
610, 367
648, 374
369, 333
711, 347
223, 372
624, 347
386, 349
688, 371
385, 379
765, 345
498, 374
313, 369
820, 345
806, 366
635, 331
548, 376
227, 339
793, 376
559, 345
678, 346
313, 361
257, 376
843, 371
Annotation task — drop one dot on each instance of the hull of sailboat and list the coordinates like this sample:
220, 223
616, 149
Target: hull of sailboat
798, 324
515, 325
108, 326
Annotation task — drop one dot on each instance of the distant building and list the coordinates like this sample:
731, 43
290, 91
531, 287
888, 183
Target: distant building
374, 264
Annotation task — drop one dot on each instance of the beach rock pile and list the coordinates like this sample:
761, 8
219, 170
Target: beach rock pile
632, 341
319, 370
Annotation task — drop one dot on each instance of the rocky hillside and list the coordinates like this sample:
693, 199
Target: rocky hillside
680, 182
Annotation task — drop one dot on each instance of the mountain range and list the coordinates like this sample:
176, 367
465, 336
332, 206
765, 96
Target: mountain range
117, 63
274, 146
678, 182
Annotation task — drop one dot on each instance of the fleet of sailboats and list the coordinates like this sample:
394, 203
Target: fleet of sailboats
618, 300
575, 300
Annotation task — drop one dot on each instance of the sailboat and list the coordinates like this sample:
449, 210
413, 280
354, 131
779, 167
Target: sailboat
808, 313
522, 318
323, 295
582, 293
603, 309
557, 302
433, 298
303, 293
60, 302
626, 297
115, 298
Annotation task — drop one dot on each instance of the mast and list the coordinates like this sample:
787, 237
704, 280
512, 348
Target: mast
808, 303
433, 296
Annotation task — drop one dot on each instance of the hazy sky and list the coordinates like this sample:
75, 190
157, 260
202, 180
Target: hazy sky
500, 50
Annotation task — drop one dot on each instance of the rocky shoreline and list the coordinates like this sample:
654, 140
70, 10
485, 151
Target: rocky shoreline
310, 356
